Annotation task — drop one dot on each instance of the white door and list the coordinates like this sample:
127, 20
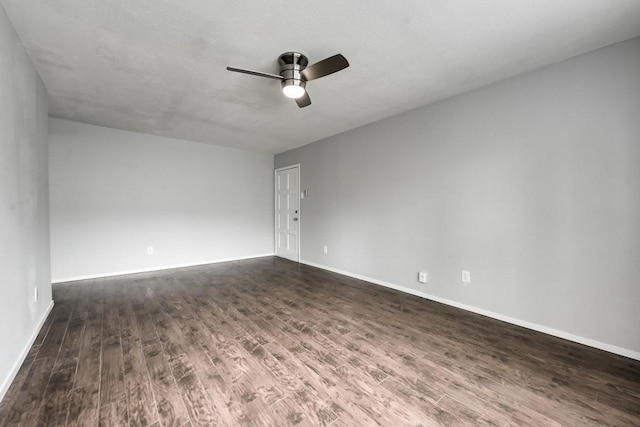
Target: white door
287, 212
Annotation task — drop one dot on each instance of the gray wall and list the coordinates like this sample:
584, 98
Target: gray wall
114, 193
532, 184
24, 199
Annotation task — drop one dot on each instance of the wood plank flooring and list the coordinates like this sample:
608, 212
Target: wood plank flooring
267, 342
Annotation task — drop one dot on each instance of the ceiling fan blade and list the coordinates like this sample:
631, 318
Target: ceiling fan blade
255, 73
325, 67
304, 100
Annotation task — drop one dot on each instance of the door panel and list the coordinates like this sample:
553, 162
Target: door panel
287, 213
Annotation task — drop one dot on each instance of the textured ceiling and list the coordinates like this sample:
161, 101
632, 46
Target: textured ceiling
158, 66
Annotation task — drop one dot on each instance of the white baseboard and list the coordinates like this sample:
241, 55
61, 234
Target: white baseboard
146, 270
6, 383
533, 326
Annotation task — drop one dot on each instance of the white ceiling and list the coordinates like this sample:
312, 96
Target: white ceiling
158, 66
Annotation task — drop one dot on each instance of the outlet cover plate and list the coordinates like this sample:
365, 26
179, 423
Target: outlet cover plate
466, 276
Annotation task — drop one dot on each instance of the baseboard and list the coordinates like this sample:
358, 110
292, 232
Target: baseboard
23, 355
518, 322
160, 268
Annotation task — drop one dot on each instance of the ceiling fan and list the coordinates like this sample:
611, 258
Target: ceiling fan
294, 73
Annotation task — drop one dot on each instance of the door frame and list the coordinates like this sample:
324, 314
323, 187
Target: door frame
275, 209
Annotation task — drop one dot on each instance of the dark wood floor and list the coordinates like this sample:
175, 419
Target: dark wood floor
270, 342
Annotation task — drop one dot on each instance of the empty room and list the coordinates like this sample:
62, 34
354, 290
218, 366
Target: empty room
422, 213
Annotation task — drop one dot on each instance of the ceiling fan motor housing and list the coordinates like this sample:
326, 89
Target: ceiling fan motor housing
291, 64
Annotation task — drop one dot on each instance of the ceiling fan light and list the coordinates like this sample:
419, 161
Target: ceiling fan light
293, 91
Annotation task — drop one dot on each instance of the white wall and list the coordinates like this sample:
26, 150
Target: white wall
532, 184
24, 219
114, 193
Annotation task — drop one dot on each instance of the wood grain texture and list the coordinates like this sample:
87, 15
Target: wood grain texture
270, 342
84, 406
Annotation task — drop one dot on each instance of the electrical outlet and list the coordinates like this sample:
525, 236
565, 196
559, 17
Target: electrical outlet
422, 276
466, 277
149, 250
326, 249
